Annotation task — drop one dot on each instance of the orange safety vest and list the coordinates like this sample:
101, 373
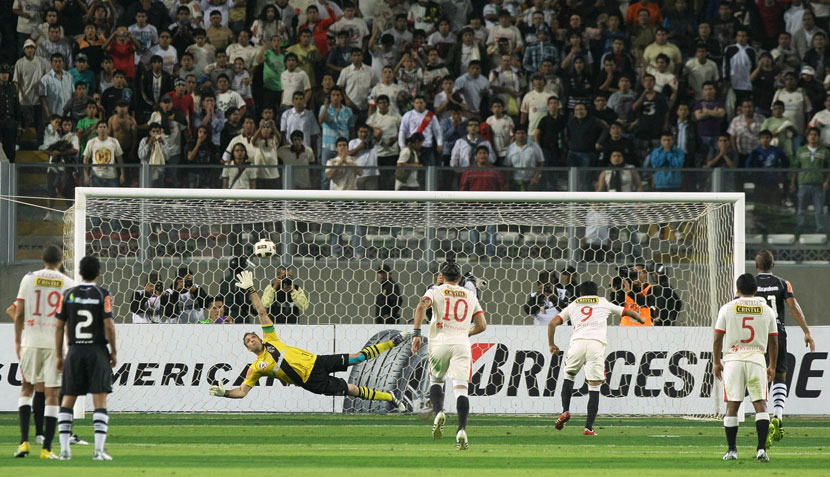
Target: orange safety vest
644, 311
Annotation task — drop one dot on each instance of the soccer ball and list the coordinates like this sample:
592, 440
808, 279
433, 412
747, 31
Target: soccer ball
265, 248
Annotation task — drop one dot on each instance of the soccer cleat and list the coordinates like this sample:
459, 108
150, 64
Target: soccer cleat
461, 440
776, 430
762, 455
22, 450
65, 455
47, 454
731, 455
589, 432
561, 420
101, 455
398, 405
75, 440
39, 439
438, 425
401, 337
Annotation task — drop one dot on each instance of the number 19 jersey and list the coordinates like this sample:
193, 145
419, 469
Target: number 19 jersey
41, 293
453, 309
589, 316
746, 324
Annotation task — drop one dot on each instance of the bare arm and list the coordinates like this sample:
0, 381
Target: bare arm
264, 319
239, 392
480, 324
17, 315
109, 331
717, 348
633, 314
552, 333
420, 314
798, 315
59, 344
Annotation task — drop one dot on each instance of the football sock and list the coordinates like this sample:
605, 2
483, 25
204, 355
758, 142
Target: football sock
779, 396
436, 397
374, 351
567, 391
100, 421
50, 416
462, 405
65, 427
593, 407
38, 406
762, 427
363, 393
730, 424
24, 412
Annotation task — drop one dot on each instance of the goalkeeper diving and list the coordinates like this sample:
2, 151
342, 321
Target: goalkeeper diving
294, 366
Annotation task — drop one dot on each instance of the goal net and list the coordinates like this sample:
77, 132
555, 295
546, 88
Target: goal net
167, 254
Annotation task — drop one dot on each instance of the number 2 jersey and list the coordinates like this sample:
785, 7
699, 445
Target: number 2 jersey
84, 309
775, 291
746, 323
41, 293
453, 309
589, 316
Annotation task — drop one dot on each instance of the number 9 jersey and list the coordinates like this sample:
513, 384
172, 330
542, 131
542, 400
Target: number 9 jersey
453, 310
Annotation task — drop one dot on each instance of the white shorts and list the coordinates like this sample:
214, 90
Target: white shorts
742, 376
588, 354
39, 365
453, 360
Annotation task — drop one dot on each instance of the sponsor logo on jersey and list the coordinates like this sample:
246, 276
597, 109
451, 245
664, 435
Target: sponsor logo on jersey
107, 304
48, 282
455, 293
84, 301
263, 365
588, 299
749, 310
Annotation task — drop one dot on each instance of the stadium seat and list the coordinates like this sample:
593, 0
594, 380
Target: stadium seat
754, 239
812, 239
781, 239
508, 238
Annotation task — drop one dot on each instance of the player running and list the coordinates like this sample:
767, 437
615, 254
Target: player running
742, 331
294, 366
776, 291
449, 345
589, 314
38, 301
86, 314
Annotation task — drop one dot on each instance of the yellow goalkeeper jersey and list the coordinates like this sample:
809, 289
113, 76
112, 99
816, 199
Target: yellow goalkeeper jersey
278, 360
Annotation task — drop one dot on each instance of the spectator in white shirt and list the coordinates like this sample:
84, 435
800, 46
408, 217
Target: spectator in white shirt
357, 81
525, 155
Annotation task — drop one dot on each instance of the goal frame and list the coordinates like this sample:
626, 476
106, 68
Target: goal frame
737, 199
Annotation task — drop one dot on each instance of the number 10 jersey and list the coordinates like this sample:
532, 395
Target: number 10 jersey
453, 309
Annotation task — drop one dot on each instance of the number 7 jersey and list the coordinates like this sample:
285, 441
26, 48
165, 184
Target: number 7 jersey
41, 293
453, 309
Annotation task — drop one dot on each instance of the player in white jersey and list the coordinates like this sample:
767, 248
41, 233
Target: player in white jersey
38, 301
589, 315
742, 332
453, 308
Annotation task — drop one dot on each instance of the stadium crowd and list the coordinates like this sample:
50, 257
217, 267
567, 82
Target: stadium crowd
491, 88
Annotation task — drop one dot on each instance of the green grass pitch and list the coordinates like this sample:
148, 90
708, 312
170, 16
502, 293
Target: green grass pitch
341, 445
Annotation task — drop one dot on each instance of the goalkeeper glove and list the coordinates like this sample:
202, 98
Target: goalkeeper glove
218, 391
246, 281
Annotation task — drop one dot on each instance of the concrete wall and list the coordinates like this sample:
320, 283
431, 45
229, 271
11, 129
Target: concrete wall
344, 291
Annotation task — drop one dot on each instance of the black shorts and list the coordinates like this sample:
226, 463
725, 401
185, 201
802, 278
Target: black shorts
781, 363
320, 381
86, 369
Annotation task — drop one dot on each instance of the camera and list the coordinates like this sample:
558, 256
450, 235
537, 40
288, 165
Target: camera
548, 288
159, 287
188, 282
625, 271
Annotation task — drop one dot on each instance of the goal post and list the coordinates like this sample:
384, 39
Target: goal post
336, 241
